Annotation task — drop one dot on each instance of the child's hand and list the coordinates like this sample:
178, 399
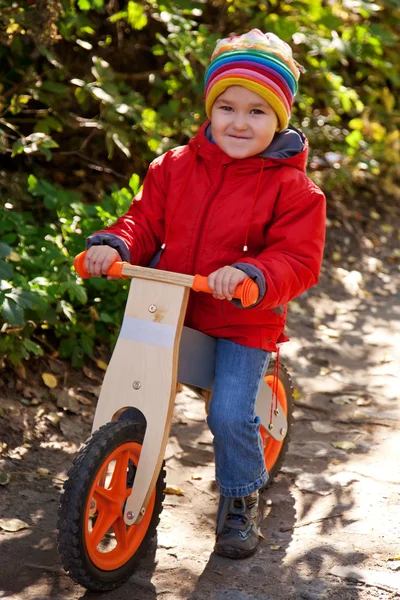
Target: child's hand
99, 259
223, 282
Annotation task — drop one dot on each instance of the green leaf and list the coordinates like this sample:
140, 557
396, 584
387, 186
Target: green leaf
6, 271
23, 299
84, 4
134, 183
33, 347
54, 87
5, 250
122, 14
51, 57
356, 124
354, 138
68, 310
48, 124
102, 95
106, 318
77, 356
77, 291
87, 344
17, 148
12, 312
136, 17
67, 346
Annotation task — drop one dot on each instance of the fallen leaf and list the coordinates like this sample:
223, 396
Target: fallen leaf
381, 292
89, 373
324, 371
328, 331
360, 415
14, 257
174, 490
20, 371
42, 471
387, 358
49, 380
67, 400
102, 365
342, 400
274, 547
336, 256
296, 394
4, 478
363, 401
196, 476
345, 445
53, 418
93, 313
321, 427
83, 400
13, 524
394, 557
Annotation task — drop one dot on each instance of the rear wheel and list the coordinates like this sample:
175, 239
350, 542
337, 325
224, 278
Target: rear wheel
274, 450
97, 548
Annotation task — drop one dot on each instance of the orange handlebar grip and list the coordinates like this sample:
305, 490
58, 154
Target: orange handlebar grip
247, 291
116, 269
79, 264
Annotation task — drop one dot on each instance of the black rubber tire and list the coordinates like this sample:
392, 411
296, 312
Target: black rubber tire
286, 380
71, 540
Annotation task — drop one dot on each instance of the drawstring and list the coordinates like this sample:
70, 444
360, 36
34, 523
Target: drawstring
275, 384
275, 380
245, 247
164, 245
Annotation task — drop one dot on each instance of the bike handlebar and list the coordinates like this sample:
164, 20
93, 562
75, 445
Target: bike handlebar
247, 291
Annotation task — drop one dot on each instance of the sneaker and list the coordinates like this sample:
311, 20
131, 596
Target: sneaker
237, 526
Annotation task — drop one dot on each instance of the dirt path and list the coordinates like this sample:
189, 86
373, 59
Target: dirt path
332, 513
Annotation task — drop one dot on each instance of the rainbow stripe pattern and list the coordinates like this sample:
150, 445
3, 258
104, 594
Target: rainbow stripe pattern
260, 62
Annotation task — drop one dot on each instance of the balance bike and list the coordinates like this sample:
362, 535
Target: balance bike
112, 499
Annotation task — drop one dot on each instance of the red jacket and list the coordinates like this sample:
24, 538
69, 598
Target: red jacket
206, 207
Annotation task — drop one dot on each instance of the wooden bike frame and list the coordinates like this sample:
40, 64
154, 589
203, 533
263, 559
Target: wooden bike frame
143, 370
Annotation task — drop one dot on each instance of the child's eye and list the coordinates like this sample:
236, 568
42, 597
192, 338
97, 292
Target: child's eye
228, 108
257, 111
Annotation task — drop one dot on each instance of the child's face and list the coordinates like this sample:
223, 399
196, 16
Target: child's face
242, 122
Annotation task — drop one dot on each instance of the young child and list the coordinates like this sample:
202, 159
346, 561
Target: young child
234, 202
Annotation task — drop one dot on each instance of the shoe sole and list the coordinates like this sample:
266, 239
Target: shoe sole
234, 552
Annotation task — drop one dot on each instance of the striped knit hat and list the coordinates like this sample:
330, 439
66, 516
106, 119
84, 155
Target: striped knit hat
260, 62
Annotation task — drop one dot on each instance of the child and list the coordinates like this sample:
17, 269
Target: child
234, 202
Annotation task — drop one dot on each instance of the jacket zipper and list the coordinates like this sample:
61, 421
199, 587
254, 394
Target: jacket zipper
200, 236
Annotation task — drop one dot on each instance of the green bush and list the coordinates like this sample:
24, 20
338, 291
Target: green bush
43, 301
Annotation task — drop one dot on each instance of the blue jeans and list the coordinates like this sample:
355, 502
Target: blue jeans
239, 458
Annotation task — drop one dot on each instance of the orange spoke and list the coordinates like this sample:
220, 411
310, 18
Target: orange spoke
118, 481
103, 497
119, 528
103, 523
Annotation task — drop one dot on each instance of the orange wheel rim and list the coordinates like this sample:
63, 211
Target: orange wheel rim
271, 446
110, 543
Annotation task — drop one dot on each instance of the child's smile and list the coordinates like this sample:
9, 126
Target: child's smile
242, 123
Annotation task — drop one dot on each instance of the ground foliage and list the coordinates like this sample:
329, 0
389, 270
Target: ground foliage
91, 92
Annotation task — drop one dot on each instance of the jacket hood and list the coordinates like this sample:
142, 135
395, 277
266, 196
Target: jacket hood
288, 148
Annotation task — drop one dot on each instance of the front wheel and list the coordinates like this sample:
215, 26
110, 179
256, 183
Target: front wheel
97, 548
274, 450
